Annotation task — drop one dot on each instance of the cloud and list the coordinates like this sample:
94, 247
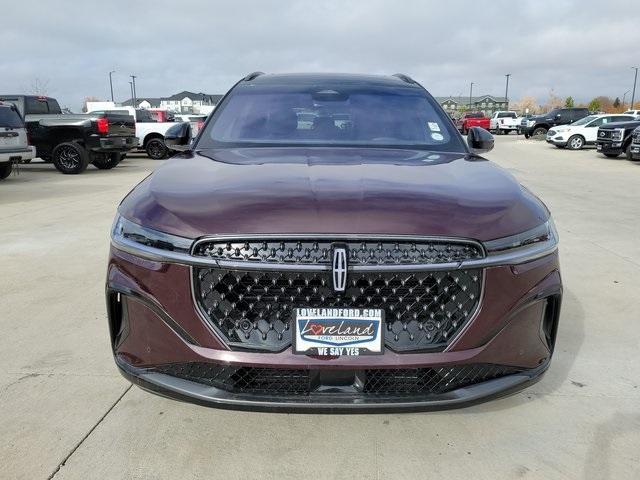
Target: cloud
577, 48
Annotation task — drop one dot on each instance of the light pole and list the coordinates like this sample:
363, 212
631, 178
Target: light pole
506, 91
633, 95
133, 101
623, 98
135, 98
470, 95
111, 83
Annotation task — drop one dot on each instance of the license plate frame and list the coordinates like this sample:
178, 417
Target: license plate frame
338, 331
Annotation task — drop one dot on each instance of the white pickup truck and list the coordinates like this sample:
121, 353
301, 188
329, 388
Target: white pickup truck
504, 122
149, 132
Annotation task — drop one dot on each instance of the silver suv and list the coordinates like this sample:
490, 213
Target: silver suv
14, 144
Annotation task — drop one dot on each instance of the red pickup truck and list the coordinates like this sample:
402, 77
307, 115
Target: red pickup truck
472, 119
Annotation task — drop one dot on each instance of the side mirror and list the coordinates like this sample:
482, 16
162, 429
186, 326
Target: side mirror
558, 115
479, 140
178, 137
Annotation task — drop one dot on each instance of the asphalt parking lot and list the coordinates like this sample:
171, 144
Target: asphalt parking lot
67, 414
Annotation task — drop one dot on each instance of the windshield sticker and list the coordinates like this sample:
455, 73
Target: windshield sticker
434, 127
437, 136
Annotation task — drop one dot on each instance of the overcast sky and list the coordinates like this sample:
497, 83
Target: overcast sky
578, 48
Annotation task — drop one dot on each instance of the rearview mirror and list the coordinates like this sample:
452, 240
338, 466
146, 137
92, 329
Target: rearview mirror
479, 140
178, 137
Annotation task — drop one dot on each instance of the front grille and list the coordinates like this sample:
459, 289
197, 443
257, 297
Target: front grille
253, 308
636, 138
318, 252
605, 134
303, 382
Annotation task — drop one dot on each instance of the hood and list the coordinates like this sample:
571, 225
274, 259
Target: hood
335, 191
627, 124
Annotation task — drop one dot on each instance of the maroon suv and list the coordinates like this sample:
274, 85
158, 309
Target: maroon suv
330, 242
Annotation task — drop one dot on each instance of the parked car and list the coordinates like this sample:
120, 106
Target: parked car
472, 119
14, 141
73, 141
635, 113
635, 144
370, 260
583, 132
504, 122
540, 124
149, 132
615, 138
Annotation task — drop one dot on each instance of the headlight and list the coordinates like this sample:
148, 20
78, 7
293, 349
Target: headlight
530, 123
526, 246
618, 134
561, 130
128, 234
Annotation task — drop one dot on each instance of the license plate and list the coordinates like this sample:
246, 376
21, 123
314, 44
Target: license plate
338, 331
598, 147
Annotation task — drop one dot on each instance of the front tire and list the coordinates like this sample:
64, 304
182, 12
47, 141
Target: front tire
156, 149
107, 161
70, 158
575, 142
539, 131
5, 170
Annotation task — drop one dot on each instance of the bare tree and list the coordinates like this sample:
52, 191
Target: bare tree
526, 104
39, 86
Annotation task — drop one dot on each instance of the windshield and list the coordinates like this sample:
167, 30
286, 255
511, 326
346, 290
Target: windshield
330, 115
584, 120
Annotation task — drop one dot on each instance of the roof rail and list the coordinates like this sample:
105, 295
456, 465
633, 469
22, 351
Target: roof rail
404, 78
251, 76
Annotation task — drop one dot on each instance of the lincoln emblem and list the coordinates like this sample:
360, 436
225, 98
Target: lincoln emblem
339, 267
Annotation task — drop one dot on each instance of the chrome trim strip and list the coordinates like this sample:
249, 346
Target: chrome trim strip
516, 256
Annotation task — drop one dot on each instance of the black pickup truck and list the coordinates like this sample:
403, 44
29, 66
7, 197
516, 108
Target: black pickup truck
615, 138
72, 141
538, 125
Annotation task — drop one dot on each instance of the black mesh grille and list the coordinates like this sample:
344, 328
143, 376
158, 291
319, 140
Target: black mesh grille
299, 382
253, 308
318, 252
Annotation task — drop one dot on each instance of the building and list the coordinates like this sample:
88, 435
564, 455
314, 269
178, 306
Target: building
486, 104
183, 102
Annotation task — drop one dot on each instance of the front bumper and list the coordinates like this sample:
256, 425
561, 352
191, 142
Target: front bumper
192, 392
557, 139
154, 323
615, 148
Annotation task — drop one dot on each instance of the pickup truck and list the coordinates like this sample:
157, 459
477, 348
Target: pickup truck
472, 119
538, 125
149, 131
72, 141
504, 122
634, 150
615, 138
